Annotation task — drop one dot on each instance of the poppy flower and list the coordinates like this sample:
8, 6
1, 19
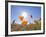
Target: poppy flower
24, 22
21, 18
31, 16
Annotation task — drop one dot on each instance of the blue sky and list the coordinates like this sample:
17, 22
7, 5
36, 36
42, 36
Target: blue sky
16, 11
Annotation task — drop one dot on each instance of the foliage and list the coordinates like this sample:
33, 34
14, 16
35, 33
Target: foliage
29, 27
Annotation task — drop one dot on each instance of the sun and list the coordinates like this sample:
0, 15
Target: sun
24, 14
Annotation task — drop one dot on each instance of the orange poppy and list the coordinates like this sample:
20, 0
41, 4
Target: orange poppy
24, 22
21, 18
